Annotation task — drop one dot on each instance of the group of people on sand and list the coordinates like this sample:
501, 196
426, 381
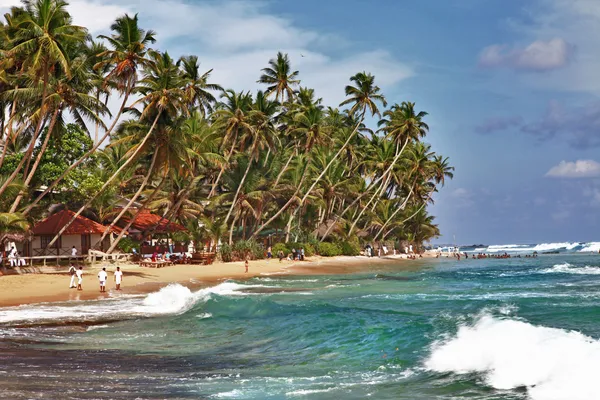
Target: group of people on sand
480, 256
295, 255
77, 275
14, 258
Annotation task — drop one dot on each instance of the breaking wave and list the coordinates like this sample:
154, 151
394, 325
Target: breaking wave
567, 268
551, 363
172, 299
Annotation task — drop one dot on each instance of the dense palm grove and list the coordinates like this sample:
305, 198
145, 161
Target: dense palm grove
229, 165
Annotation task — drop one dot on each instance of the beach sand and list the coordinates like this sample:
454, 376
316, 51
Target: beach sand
51, 287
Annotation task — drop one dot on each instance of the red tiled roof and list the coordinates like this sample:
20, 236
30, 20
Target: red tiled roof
146, 221
54, 223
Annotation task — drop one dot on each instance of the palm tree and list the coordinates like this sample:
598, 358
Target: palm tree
11, 223
197, 88
364, 96
43, 34
162, 93
129, 47
261, 135
279, 78
232, 117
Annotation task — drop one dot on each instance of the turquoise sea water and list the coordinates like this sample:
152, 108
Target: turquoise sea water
474, 329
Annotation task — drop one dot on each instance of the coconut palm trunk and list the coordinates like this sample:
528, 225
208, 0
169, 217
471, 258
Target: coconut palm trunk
108, 182
17, 201
133, 199
395, 212
81, 159
34, 138
9, 129
385, 176
214, 186
235, 197
281, 210
122, 233
334, 158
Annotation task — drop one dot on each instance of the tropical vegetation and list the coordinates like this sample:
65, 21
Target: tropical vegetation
233, 166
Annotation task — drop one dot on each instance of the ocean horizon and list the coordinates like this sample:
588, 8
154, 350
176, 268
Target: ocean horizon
512, 328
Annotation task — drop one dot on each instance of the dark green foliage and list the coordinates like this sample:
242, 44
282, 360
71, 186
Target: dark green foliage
329, 249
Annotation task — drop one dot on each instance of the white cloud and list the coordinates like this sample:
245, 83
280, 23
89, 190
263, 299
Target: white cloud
95, 15
237, 38
576, 169
537, 56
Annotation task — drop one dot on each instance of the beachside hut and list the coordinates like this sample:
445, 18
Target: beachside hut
83, 233
147, 227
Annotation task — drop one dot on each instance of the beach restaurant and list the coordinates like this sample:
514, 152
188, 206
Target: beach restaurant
83, 233
152, 229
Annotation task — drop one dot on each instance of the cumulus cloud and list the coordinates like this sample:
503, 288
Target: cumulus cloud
537, 56
237, 38
495, 124
575, 169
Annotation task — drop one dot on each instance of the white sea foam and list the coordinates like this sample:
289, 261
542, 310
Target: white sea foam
591, 247
553, 364
521, 248
172, 299
567, 268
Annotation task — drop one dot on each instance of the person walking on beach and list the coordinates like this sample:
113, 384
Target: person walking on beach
302, 254
246, 265
72, 272
269, 253
118, 278
79, 275
280, 255
102, 276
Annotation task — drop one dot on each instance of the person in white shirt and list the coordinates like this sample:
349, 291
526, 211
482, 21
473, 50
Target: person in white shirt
72, 272
79, 274
102, 276
73, 253
12, 256
118, 278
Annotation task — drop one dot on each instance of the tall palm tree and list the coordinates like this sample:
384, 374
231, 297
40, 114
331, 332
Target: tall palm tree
279, 78
197, 88
262, 135
364, 96
44, 32
129, 45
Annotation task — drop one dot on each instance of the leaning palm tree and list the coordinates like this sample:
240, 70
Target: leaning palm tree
261, 135
279, 78
162, 94
363, 97
129, 45
44, 32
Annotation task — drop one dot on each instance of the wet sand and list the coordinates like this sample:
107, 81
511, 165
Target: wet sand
51, 287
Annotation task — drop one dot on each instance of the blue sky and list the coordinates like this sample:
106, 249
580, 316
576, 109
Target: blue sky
511, 87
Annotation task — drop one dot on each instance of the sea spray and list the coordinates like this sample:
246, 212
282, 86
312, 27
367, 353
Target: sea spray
172, 299
552, 363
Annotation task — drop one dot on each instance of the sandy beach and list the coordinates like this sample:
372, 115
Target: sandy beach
54, 286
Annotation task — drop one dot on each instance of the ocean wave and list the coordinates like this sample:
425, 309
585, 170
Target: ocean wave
591, 247
567, 268
172, 299
551, 363
520, 248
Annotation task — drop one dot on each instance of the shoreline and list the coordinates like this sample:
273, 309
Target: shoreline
33, 288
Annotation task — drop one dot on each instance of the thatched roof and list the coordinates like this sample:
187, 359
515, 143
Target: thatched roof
16, 237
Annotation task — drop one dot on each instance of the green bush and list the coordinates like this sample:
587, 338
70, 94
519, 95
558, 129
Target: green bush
126, 244
247, 249
329, 249
226, 253
280, 247
349, 248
